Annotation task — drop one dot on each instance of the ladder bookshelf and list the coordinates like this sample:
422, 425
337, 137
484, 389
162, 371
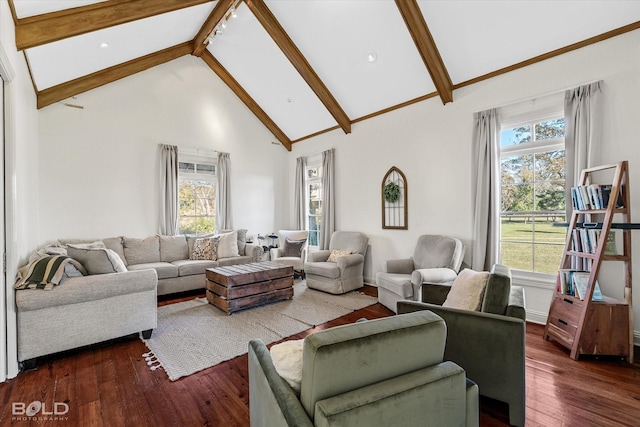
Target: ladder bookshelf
600, 325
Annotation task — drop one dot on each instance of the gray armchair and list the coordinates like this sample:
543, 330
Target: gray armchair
343, 275
489, 344
295, 240
436, 259
361, 374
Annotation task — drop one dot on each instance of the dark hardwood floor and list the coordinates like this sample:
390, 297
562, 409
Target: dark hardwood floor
111, 385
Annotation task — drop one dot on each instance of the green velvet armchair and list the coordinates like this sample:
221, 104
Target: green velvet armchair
363, 374
489, 344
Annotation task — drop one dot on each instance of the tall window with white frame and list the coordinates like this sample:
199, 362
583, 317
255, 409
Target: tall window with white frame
197, 194
314, 199
532, 166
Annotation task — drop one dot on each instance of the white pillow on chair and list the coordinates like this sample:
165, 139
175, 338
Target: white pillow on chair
467, 290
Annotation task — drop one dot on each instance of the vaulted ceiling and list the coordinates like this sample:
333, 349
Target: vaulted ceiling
304, 67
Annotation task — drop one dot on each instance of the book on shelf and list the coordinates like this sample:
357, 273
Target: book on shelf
611, 248
586, 240
580, 285
594, 196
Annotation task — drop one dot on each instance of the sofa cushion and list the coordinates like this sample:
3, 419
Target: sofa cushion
233, 260
467, 290
228, 245
97, 260
187, 267
324, 269
164, 270
399, 284
142, 251
173, 248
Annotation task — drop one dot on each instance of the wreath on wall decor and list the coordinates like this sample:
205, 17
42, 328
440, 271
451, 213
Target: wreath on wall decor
391, 192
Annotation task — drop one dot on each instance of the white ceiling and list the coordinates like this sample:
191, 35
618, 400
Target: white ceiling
474, 38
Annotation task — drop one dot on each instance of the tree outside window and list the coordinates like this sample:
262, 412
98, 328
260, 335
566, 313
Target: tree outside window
532, 196
197, 197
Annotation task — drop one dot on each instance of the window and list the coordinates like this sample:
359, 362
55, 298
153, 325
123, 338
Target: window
314, 199
197, 194
532, 166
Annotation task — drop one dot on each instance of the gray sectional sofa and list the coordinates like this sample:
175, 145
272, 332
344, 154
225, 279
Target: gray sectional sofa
102, 296
169, 257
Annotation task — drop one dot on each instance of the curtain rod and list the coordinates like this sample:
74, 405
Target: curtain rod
317, 152
197, 150
554, 92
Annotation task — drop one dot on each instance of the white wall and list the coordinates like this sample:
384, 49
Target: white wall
431, 144
22, 179
99, 164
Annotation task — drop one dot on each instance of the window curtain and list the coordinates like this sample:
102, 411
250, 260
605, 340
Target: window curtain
223, 193
327, 226
486, 194
299, 207
168, 209
582, 113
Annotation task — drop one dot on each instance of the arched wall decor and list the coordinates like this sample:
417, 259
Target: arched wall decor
394, 200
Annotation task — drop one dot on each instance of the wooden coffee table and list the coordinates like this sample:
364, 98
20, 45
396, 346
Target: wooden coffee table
237, 287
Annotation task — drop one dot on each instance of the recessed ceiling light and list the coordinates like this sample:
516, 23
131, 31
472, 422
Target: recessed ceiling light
104, 45
372, 57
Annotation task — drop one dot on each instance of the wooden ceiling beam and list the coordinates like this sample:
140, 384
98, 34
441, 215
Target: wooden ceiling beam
414, 20
290, 50
50, 27
233, 84
216, 15
82, 84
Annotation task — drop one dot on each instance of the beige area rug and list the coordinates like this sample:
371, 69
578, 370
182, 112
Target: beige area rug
195, 335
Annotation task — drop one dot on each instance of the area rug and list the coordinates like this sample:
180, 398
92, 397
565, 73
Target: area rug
195, 335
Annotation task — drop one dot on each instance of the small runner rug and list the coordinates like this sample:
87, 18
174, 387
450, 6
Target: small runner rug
195, 335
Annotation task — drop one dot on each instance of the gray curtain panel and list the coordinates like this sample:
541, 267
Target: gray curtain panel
327, 226
582, 114
223, 193
300, 212
486, 194
168, 209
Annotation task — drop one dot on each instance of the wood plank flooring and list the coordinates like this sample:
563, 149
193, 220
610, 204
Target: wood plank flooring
111, 385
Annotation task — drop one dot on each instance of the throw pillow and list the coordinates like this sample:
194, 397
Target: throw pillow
287, 359
242, 239
467, 290
293, 248
205, 248
97, 260
42, 273
337, 253
228, 245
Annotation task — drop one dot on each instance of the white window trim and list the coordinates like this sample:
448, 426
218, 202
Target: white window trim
518, 116
314, 161
197, 156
